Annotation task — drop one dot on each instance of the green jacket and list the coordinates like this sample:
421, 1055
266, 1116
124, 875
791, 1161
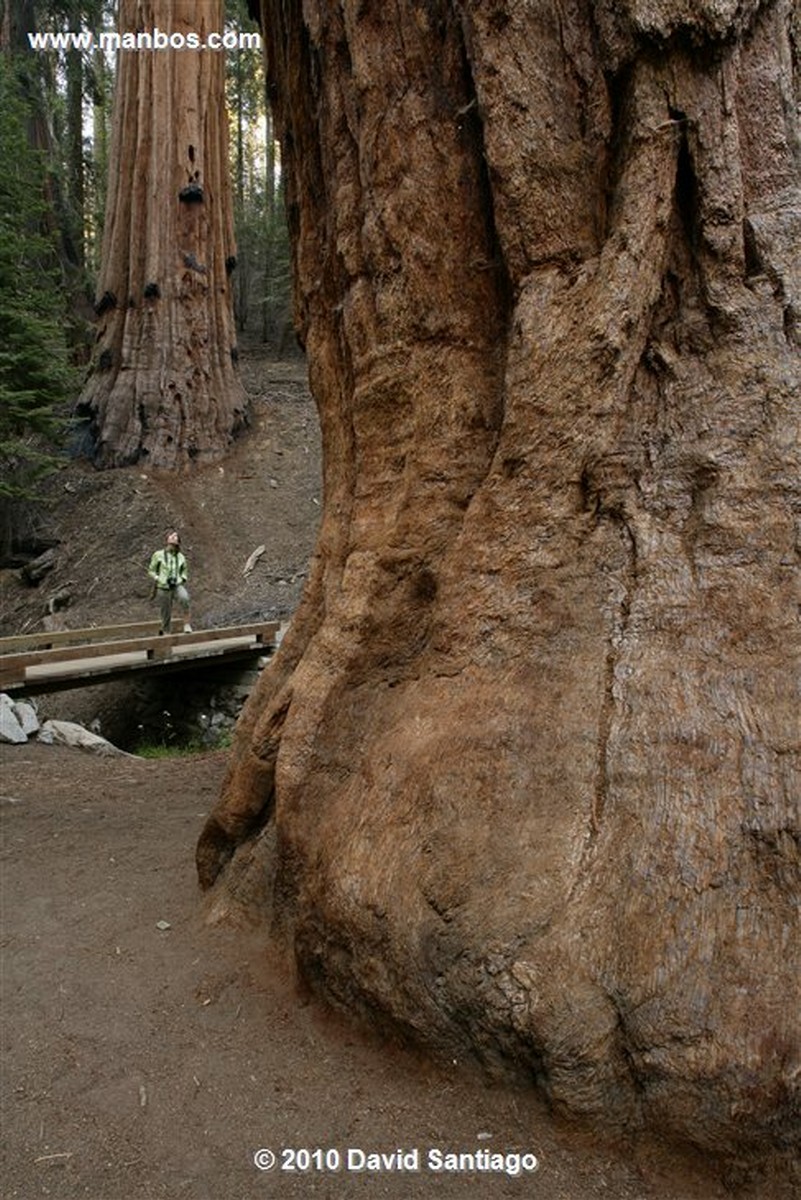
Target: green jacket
167, 568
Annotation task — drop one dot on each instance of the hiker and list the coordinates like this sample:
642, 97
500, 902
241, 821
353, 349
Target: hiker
169, 574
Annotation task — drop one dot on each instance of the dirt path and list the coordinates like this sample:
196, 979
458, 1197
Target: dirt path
145, 1062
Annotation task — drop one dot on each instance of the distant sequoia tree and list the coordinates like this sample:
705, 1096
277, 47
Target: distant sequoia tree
523, 779
164, 387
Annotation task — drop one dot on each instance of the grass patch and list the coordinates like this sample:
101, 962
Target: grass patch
151, 750
160, 750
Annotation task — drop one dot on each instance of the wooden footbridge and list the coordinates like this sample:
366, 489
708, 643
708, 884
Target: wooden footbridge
31, 664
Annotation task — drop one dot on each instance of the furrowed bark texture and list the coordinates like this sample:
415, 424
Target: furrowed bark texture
524, 776
163, 388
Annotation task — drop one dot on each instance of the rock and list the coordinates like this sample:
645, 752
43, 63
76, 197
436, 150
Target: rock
60, 599
11, 730
68, 733
26, 715
34, 571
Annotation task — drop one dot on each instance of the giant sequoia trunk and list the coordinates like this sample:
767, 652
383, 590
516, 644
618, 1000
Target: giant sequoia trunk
524, 775
164, 388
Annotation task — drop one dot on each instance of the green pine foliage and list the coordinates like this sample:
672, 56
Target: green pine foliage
35, 374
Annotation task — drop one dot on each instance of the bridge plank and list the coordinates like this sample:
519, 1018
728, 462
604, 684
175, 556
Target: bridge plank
80, 666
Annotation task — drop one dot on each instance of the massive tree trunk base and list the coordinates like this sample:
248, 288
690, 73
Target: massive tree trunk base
164, 417
523, 780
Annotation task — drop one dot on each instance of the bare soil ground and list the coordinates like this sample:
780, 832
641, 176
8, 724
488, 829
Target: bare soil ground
141, 1061
147, 1053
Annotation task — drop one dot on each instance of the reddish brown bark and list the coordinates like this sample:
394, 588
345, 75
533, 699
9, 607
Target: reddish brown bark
524, 776
164, 388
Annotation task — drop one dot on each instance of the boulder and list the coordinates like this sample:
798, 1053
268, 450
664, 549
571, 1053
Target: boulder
11, 730
68, 733
26, 715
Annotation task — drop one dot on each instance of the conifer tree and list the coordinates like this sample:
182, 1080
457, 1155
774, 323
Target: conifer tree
35, 375
164, 388
523, 779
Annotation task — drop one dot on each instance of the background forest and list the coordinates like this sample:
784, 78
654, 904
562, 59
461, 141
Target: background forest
54, 141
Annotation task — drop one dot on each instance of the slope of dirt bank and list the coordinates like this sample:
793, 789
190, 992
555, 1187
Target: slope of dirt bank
107, 523
142, 1061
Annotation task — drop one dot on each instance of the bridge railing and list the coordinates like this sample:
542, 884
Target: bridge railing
54, 661
44, 640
